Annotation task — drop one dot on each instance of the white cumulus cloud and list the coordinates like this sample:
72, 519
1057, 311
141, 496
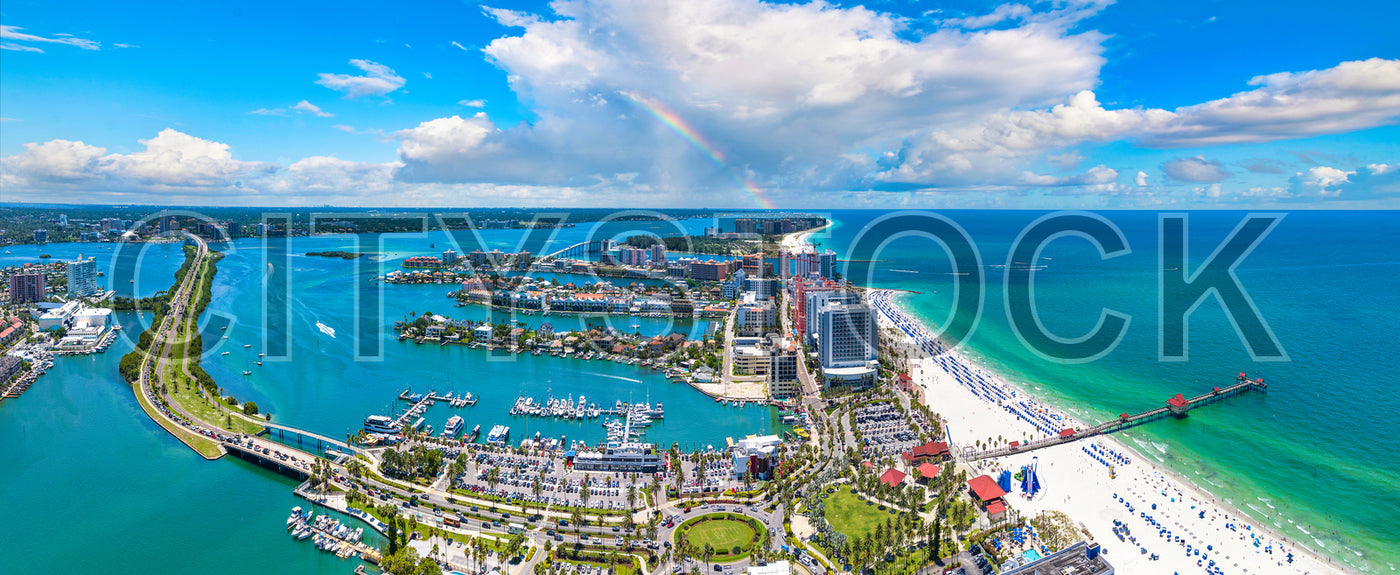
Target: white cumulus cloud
378, 80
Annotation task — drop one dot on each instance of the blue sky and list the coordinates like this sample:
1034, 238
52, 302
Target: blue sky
726, 103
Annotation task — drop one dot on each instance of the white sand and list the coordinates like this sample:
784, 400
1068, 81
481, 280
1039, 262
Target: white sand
1079, 486
799, 240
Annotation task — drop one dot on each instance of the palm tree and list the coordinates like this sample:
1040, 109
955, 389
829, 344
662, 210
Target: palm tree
576, 515
537, 487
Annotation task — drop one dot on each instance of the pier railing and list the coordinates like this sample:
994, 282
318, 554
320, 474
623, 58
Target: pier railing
1176, 407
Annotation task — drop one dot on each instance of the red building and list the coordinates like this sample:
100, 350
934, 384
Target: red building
986, 490
935, 450
928, 472
892, 477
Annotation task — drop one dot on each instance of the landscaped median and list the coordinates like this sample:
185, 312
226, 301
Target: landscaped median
732, 536
205, 447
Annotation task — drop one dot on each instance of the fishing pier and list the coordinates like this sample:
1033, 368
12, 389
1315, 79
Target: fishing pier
1176, 407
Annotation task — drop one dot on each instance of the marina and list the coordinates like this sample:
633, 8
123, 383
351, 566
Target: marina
567, 408
329, 535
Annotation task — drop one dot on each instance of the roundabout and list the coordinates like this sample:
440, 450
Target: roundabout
732, 536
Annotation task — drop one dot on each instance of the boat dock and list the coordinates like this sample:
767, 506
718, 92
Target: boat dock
1176, 407
571, 409
331, 536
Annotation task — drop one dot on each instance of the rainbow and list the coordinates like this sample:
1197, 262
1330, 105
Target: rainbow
677, 124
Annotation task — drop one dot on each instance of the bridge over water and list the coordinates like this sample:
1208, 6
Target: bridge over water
288, 435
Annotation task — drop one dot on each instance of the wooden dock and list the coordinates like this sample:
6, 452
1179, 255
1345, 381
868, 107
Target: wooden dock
1176, 407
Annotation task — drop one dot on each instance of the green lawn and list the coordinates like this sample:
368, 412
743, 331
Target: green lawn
849, 514
723, 533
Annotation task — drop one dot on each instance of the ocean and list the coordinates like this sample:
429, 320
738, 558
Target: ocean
1311, 458
85, 467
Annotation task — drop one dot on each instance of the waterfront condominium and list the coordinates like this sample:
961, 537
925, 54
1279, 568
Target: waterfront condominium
82, 277
846, 341
27, 287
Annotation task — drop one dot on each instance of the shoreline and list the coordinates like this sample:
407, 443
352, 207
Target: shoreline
1143, 479
1097, 505
798, 240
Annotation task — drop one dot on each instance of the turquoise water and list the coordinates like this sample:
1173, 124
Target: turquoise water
90, 484
1316, 450
84, 467
319, 384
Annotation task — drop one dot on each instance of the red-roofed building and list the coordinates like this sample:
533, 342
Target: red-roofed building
996, 510
906, 382
927, 472
1178, 405
986, 490
867, 465
892, 477
935, 450
1066, 432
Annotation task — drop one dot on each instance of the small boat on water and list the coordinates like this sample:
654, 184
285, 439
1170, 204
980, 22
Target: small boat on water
224, 353
246, 372
247, 345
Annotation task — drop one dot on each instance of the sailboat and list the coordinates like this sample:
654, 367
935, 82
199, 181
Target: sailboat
245, 366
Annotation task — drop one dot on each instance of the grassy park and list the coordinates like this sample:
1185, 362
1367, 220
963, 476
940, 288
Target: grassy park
852, 515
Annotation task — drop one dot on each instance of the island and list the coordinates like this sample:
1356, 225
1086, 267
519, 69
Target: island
337, 254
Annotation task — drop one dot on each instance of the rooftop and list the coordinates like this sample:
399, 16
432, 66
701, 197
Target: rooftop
1079, 559
985, 488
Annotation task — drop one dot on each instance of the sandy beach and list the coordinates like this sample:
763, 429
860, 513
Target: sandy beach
1076, 481
799, 240
1096, 481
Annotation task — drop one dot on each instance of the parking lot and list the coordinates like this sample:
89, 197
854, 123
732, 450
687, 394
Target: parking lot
559, 485
884, 430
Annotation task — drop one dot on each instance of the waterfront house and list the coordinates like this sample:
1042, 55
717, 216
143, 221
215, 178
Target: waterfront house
482, 333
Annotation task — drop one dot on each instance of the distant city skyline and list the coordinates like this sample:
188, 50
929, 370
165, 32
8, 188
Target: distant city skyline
727, 104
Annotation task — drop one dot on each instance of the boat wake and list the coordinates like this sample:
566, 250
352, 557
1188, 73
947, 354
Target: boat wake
328, 330
613, 376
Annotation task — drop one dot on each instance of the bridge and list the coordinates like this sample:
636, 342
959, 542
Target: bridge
1176, 407
288, 435
292, 463
581, 249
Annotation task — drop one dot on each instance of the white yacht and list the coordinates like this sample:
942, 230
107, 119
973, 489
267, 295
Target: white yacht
381, 424
452, 427
499, 434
